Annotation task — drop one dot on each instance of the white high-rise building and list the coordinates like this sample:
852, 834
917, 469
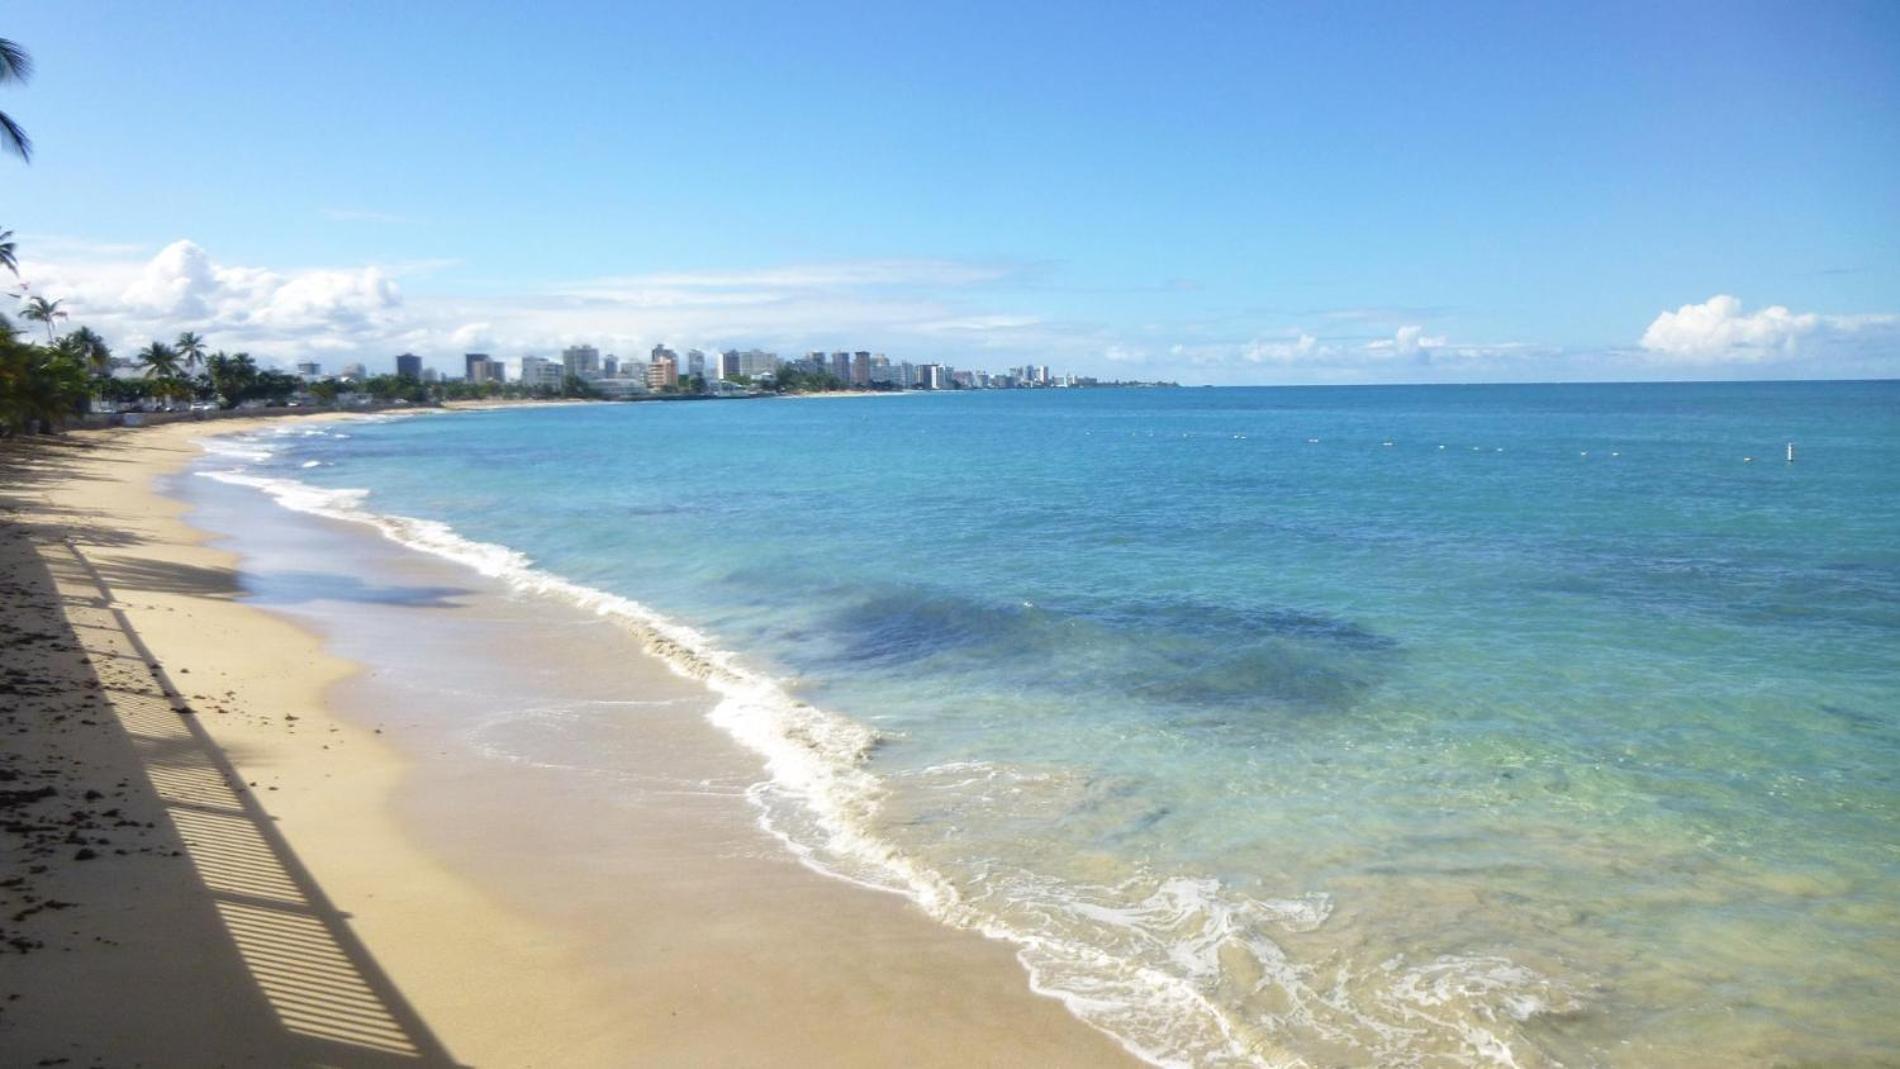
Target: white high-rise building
540, 373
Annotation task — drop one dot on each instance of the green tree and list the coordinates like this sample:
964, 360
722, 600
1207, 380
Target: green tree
91, 350
159, 360
41, 310
232, 377
15, 66
8, 257
191, 351
40, 386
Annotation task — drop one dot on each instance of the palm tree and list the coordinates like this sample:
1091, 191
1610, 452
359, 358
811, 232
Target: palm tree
7, 259
86, 344
191, 349
41, 310
159, 361
15, 66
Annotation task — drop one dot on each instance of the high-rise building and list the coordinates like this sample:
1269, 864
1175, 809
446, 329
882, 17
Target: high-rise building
355, 371
480, 367
610, 365
540, 373
860, 369
930, 376
841, 366
309, 370
581, 361
409, 366
729, 364
661, 371
756, 362
696, 363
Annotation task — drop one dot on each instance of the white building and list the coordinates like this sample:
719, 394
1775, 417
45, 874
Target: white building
540, 373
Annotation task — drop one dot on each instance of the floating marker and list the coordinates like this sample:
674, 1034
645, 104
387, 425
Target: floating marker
1790, 452
1312, 441
1748, 460
1616, 454
1385, 443
1441, 447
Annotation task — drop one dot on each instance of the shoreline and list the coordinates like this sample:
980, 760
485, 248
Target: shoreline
359, 831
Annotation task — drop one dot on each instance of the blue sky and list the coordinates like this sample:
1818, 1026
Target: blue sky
1209, 192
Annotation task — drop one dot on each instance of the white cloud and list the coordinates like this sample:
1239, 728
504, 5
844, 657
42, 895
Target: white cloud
1408, 341
1718, 331
284, 315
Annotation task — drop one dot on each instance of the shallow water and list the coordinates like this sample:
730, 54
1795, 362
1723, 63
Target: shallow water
1550, 732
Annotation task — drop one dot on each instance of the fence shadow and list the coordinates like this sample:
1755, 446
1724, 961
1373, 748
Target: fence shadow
334, 1004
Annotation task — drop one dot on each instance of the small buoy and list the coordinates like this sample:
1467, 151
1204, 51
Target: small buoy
1441, 447
1790, 452
1386, 443
1312, 441
1748, 460
1585, 453
1616, 454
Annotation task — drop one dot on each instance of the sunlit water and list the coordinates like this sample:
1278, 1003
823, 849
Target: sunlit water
1493, 725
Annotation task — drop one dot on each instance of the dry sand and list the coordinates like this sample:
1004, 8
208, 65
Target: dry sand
212, 856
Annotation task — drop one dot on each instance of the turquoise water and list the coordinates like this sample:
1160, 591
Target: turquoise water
1442, 725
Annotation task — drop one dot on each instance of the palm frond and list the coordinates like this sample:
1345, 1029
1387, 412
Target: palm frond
13, 139
15, 64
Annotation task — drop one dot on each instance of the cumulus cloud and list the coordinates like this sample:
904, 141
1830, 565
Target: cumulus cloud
1719, 331
181, 287
1408, 341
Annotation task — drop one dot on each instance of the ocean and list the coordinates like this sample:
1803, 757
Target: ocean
1475, 725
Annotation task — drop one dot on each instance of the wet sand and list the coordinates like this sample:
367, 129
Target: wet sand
343, 842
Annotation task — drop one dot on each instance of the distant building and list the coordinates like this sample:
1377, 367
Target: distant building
480, 367
355, 371
756, 362
309, 370
661, 371
860, 369
841, 366
930, 376
610, 365
695, 363
540, 373
430, 374
581, 361
409, 366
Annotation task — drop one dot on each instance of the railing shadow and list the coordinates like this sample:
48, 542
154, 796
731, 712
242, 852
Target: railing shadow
332, 1000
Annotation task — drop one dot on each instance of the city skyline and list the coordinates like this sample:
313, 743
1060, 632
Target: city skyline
1283, 195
